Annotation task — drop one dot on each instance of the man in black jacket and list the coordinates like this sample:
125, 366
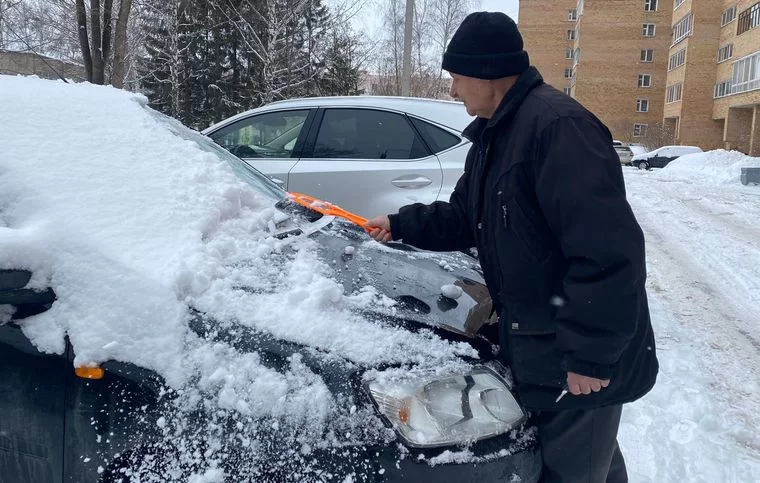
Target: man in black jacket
543, 200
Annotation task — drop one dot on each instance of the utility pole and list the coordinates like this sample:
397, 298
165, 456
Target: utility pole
406, 76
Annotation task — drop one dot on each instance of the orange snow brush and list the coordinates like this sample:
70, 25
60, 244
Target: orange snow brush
327, 208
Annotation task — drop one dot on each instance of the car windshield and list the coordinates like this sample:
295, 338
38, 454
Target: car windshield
258, 181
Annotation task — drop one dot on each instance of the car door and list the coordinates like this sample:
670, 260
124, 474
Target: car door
32, 390
662, 158
450, 148
367, 161
269, 141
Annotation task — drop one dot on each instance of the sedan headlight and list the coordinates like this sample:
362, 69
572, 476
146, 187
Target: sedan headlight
458, 409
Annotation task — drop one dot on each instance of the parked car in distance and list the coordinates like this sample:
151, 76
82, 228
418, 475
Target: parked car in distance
660, 157
625, 154
369, 155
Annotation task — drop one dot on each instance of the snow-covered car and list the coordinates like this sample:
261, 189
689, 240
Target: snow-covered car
167, 313
660, 157
369, 155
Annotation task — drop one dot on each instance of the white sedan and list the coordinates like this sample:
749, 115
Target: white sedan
368, 155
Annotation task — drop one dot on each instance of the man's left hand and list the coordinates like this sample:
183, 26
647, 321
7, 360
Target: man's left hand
578, 384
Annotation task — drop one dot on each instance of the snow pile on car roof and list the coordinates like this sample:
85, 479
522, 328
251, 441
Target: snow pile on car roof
711, 167
131, 224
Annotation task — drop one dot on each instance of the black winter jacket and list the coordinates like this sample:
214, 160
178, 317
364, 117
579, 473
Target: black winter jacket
543, 200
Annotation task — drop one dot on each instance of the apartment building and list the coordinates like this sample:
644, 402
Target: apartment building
657, 71
736, 92
548, 27
616, 57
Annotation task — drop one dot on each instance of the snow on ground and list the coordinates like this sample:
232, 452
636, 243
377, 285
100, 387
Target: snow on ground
701, 422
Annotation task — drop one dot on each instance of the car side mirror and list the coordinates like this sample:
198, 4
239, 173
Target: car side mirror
25, 302
14, 279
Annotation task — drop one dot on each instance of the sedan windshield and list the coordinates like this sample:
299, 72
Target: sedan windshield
260, 182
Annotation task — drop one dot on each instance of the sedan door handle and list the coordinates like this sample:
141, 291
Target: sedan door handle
278, 181
409, 182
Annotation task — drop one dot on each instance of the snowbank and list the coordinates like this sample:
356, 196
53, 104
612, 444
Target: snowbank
712, 167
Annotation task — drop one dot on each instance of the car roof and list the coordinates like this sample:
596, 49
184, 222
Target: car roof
451, 114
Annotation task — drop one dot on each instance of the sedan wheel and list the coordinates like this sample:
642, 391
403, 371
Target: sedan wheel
643, 165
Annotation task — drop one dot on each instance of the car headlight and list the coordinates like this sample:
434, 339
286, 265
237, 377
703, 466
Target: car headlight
457, 409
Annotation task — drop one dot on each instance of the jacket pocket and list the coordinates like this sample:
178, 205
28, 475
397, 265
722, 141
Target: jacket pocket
533, 358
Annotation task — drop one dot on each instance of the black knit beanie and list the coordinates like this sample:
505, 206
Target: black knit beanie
486, 46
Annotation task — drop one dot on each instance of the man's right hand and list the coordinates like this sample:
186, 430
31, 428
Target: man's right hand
380, 228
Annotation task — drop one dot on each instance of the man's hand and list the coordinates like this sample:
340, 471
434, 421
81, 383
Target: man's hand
578, 384
380, 228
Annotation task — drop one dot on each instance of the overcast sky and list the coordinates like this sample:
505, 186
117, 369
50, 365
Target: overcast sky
507, 6
369, 19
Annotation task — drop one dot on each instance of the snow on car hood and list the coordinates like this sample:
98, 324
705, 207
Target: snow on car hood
132, 224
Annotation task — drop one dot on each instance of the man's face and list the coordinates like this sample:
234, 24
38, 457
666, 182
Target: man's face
477, 94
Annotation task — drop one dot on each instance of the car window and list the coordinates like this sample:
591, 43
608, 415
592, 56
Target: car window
268, 135
367, 134
437, 138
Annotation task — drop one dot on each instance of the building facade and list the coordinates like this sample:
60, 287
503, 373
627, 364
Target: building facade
736, 90
656, 71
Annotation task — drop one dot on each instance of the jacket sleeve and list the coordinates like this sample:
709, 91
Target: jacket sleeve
581, 192
440, 226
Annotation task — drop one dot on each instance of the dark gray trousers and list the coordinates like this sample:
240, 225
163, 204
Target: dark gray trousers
580, 446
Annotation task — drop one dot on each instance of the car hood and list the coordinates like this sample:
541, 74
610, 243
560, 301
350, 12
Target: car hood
442, 290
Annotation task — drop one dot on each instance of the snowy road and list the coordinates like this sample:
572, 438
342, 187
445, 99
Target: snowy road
701, 423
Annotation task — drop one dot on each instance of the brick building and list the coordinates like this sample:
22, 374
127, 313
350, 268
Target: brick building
617, 52
655, 71
736, 90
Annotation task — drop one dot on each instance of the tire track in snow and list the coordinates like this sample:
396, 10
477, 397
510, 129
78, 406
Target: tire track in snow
722, 255
708, 285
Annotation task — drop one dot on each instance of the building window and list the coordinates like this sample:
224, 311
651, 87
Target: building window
568, 90
728, 16
725, 53
746, 74
650, 5
642, 105
569, 53
647, 55
571, 34
749, 19
678, 3
640, 130
674, 93
648, 29
722, 90
677, 60
645, 80
568, 73
572, 15
577, 56
682, 29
